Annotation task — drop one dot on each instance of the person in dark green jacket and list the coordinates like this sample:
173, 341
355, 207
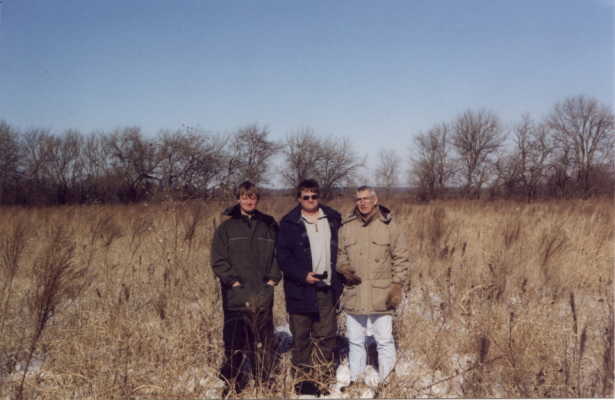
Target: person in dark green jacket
242, 257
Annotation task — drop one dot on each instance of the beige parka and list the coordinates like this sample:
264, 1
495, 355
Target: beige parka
378, 253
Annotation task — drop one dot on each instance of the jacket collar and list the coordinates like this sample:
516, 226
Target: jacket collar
382, 213
295, 214
235, 213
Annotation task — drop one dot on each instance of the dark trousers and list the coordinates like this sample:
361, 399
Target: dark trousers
314, 339
248, 337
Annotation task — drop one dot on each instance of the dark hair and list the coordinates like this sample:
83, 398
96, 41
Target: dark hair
247, 187
309, 185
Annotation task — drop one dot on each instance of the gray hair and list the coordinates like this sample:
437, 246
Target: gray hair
370, 189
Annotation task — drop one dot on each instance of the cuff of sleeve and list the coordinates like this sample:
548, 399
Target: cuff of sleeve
229, 280
342, 268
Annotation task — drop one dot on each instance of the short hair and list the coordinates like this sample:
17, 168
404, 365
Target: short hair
368, 188
309, 185
247, 188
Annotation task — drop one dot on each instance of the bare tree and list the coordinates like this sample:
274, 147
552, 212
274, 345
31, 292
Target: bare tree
65, 165
255, 149
9, 163
333, 162
190, 162
134, 162
35, 144
534, 148
584, 135
523, 171
248, 153
97, 170
431, 167
301, 151
337, 165
387, 170
508, 175
477, 136
52, 166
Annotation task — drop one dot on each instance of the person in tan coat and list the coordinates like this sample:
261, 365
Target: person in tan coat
373, 258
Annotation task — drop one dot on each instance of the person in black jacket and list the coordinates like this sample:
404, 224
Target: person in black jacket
242, 257
307, 253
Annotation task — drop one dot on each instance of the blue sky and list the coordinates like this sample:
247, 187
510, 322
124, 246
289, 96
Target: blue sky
378, 72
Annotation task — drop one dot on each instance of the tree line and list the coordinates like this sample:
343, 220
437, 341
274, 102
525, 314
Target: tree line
124, 165
567, 153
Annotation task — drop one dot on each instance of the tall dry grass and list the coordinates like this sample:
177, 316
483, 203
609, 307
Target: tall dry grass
505, 299
510, 300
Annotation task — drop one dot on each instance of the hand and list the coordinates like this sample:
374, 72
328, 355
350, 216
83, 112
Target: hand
394, 296
236, 284
270, 282
351, 277
311, 279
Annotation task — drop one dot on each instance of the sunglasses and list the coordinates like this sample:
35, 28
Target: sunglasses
310, 197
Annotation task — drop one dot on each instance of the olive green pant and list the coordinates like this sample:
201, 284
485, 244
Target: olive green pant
314, 338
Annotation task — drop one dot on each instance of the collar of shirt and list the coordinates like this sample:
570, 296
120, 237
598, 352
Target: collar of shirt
320, 216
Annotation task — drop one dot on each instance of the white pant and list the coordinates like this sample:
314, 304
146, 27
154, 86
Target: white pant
381, 326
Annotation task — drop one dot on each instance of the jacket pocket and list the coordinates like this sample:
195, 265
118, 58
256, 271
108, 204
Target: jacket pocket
381, 259
236, 298
380, 292
239, 244
265, 242
262, 299
380, 250
350, 298
352, 250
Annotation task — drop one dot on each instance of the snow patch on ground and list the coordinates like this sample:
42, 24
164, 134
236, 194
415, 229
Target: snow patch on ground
196, 380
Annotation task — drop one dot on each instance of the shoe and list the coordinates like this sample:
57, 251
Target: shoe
307, 387
378, 391
238, 387
226, 391
324, 391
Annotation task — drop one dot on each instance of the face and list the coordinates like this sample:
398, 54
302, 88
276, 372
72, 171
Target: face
308, 200
366, 201
247, 202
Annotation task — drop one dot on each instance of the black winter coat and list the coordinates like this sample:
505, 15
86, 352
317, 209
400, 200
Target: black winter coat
243, 250
295, 260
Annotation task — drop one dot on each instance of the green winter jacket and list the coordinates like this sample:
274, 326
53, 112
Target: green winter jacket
242, 251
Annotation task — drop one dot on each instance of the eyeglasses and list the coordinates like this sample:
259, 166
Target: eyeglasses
360, 199
249, 196
312, 197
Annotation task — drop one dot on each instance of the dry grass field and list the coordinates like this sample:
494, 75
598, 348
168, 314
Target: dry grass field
505, 300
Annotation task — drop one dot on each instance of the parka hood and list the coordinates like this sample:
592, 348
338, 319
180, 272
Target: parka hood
384, 214
235, 212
